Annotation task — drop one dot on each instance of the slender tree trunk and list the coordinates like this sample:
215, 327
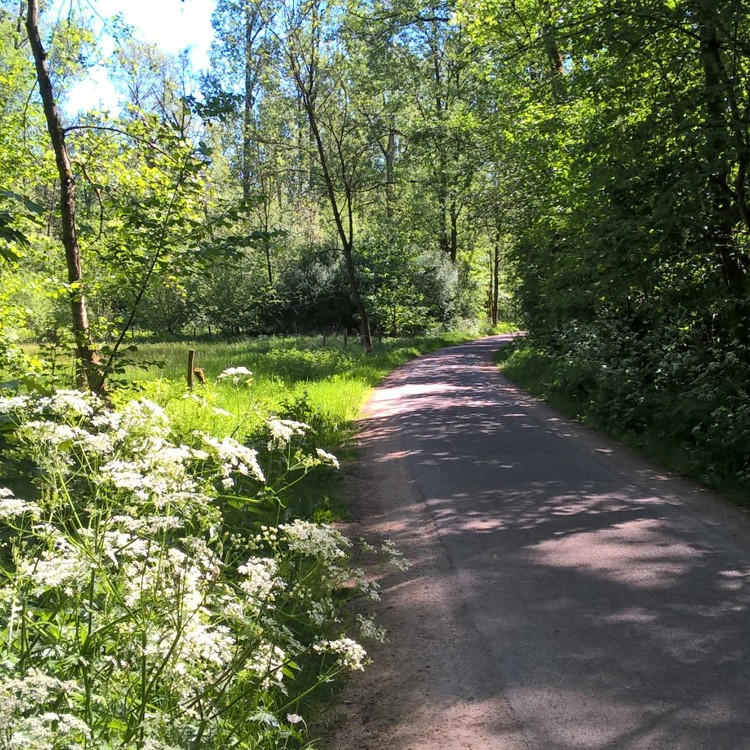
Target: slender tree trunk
346, 233
247, 115
343, 216
721, 232
91, 374
552, 51
390, 178
453, 247
495, 282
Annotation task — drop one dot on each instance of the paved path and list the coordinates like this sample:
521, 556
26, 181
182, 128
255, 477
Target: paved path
565, 595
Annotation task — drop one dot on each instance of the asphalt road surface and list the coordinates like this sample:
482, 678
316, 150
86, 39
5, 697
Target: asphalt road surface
564, 594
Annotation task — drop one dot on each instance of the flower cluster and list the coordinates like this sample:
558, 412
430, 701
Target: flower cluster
237, 375
234, 458
131, 613
283, 430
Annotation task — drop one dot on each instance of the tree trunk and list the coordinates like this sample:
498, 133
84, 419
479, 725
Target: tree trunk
343, 216
453, 250
721, 232
247, 114
552, 49
90, 372
495, 281
390, 179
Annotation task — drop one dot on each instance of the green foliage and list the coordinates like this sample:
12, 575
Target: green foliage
144, 602
687, 405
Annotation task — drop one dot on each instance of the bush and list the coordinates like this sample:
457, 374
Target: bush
678, 391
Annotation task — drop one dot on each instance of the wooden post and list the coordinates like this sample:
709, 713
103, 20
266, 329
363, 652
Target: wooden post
346, 337
191, 368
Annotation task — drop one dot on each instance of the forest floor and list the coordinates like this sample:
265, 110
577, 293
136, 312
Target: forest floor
562, 594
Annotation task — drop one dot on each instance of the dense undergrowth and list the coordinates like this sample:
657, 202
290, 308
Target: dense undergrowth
682, 399
168, 575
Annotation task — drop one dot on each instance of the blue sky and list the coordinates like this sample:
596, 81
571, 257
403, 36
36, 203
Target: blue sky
172, 24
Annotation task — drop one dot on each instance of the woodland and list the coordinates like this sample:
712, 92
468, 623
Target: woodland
345, 171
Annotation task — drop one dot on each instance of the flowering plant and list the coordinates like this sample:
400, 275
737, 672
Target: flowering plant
132, 614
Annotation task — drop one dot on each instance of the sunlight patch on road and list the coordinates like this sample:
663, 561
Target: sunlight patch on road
637, 553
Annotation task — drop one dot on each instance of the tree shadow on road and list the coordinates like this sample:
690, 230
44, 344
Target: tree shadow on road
602, 606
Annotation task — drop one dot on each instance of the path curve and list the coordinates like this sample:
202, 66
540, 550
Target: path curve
563, 593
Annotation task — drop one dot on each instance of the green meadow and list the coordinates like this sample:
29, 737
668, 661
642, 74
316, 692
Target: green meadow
330, 377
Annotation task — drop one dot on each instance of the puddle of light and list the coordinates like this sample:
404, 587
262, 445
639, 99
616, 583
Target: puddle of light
628, 553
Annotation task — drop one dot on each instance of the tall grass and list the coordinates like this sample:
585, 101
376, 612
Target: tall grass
322, 383
333, 378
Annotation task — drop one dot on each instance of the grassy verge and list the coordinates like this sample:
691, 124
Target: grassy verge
567, 386
323, 383
336, 379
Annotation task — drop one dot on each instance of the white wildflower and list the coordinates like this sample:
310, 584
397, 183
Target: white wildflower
395, 556
237, 375
42, 729
12, 506
63, 566
317, 540
328, 458
68, 404
107, 420
50, 433
322, 611
268, 662
126, 475
350, 654
283, 430
143, 416
14, 403
365, 546
259, 581
293, 718
235, 457
369, 631
100, 443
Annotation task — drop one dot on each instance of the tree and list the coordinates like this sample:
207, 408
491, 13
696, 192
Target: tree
317, 68
88, 357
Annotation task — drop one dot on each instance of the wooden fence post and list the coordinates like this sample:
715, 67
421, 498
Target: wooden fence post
191, 368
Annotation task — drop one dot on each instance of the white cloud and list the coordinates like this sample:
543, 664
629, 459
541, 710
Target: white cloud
173, 25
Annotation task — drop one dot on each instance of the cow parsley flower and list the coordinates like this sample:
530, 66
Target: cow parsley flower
67, 404
328, 458
235, 457
14, 403
50, 433
370, 631
237, 375
268, 662
143, 417
12, 506
350, 654
317, 540
259, 581
283, 430
395, 557
64, 566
